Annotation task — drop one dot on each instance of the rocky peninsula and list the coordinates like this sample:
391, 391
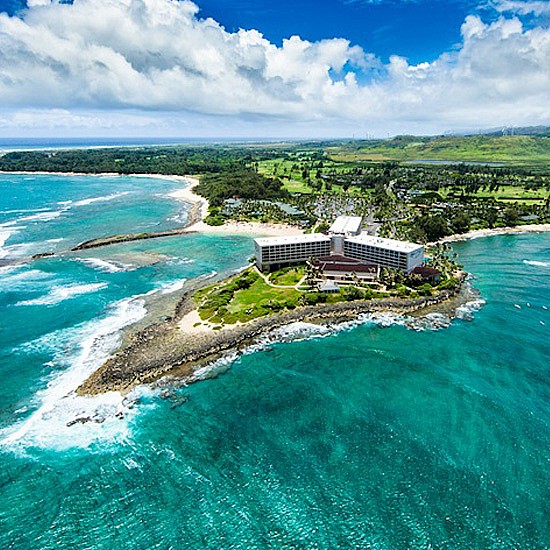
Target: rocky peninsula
164, 350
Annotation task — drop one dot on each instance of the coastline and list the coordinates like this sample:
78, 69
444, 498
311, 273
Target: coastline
477, 233
199, 211
200, 208
169, 351
178, 347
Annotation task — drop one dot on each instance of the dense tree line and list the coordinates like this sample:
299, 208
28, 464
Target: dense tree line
242, 184
143, 160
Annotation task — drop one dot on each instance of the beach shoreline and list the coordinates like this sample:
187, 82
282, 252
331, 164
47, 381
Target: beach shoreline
513, 230
199, 207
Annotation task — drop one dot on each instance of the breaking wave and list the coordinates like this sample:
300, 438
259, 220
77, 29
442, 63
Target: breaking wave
61, 293
106, 266
536, 263
64, 419
299, 331
104, 198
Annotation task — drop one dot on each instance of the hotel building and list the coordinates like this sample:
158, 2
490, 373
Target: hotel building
384, 252
275, 252
344, 240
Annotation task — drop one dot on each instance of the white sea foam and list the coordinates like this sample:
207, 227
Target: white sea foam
467, 310
298, 331
105, 266
172, 287
99, 418
180, 217
24, 210
181, 261
217, 367
42, 216
536, 263
61, 293
104, 198
15, 279
10, 228
5, 234
8, 269
431, 321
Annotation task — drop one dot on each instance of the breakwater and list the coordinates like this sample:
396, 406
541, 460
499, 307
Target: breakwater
194, 216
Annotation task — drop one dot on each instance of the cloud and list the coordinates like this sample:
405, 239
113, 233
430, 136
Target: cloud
522, 7
159, 56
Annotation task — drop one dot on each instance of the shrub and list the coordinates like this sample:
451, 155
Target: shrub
352, 293
425, 289
214, 220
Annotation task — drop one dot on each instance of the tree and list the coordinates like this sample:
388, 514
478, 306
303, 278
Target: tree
434, 227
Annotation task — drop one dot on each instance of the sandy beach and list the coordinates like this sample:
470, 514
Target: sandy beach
248, 228
187, 195
477, 233
231, 227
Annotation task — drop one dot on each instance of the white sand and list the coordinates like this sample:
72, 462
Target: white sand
191, 323
248, 228
477, 233
231, 227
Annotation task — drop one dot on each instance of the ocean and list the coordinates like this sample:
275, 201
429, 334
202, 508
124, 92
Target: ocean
371, 435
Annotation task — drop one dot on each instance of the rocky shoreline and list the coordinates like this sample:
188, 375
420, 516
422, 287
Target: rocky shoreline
163, 350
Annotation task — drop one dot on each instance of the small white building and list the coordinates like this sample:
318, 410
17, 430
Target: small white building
276, 252
400, 255
347, 226
344, 226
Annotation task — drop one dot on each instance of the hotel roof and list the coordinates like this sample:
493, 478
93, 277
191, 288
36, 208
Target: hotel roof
346, 224
309, 238
388, 244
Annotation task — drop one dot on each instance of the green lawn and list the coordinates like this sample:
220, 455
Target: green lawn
260, 293
288, 276
508, 193
227, 303
506, 149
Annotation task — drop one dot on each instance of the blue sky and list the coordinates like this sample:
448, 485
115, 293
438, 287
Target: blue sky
302, 68
417, 29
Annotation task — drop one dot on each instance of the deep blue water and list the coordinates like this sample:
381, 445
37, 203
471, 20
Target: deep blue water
369, 437
23, 144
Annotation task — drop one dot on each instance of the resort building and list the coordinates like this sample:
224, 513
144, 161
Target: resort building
345, 270
400, 255
427, 274
343, 226
344, 251
275, 252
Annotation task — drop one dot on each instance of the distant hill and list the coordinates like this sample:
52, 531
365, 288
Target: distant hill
521, 131
516, 149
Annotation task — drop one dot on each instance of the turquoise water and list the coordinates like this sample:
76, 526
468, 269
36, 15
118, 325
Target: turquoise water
369, 437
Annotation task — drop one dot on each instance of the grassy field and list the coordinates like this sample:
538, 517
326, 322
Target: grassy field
242, 298
520, 150
247, 296
288, 276
509, 193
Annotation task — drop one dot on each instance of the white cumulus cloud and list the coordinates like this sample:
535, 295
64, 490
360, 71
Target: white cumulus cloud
159, 55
